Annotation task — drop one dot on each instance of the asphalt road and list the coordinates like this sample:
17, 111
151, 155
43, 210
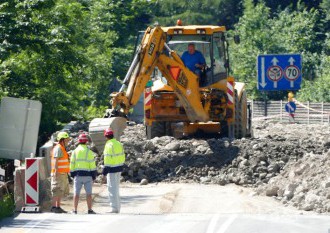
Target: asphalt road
183, 223
164, 198
171, 208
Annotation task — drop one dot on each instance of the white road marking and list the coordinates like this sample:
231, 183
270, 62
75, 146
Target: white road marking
32, 223
212, 224
226, 224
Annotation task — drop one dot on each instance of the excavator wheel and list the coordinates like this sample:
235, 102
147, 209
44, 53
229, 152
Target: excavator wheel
157, 129
241, 115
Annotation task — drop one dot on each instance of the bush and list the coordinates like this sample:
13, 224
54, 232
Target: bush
7, 206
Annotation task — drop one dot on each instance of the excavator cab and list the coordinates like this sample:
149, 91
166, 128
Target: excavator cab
214, 49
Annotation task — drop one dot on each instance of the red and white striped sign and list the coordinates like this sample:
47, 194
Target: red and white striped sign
147, 96
31, 181
230, 92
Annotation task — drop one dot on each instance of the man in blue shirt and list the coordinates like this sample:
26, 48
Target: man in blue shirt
193, 59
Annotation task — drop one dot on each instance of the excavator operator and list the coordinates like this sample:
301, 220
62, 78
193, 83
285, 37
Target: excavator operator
194, 60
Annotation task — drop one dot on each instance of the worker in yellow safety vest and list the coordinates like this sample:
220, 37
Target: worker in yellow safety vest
114, 158
83, 171
59, 174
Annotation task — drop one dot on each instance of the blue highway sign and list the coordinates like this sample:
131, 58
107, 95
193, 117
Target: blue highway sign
279, 72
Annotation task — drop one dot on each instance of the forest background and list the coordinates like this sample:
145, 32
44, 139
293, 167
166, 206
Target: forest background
66, 53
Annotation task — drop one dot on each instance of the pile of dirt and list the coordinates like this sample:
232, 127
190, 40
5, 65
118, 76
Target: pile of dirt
287, 161
304, 182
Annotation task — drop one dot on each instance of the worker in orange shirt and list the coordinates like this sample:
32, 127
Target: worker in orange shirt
59, 174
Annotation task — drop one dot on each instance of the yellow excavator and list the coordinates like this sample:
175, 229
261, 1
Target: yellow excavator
177, 101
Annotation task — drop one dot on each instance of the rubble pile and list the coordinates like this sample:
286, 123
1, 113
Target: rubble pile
305, 183
246, 161
287, 161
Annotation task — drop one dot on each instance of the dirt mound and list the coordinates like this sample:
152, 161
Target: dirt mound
287, 161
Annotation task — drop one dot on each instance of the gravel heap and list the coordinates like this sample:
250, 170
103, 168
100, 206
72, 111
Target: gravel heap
287, 161
303, 182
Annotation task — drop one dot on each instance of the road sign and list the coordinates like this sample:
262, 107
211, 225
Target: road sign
279, 72
31, 181
290, 107
19, 127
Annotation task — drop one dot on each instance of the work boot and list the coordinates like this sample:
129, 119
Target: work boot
55, 210
59, 210
113, 211
91, 211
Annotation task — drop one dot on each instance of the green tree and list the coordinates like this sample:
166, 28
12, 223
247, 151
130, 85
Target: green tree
253, 29
286, 32
297, 33
118, 23
66, 53
278, 5
113, 29
317, 90
213, 12
46, 60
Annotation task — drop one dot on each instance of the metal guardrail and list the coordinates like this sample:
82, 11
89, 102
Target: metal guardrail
306, 112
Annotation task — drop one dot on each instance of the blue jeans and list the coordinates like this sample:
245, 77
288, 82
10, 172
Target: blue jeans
198, 72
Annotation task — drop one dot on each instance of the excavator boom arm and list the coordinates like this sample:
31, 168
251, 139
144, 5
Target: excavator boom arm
154, 52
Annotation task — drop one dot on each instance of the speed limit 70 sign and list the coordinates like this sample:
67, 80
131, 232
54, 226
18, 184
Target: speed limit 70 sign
291, 73
279, 72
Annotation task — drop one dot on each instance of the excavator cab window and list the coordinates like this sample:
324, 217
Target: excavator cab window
180, 47
202, 46
219, 57
211, 46
179, 43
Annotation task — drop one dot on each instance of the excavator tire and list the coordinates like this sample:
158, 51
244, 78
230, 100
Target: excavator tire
98, 125
157, 129
241, 115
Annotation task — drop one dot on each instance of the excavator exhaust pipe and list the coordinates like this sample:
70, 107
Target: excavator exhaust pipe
98, 125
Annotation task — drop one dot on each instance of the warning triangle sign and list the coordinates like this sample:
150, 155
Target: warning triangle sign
29, 200
33, 181
175, 72
29, 162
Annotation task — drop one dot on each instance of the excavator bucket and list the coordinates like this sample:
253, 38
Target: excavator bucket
98, 125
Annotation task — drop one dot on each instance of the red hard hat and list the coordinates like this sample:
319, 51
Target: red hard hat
82, 138
108, 132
